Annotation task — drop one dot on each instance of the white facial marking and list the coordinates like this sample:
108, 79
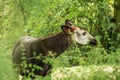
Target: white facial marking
81, 36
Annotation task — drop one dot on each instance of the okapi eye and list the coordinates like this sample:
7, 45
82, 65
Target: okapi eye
84, 33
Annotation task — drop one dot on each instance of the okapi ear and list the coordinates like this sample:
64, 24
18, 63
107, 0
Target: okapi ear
67, 29
68, 23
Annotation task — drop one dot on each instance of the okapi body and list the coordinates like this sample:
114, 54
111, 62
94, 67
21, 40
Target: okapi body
57, 43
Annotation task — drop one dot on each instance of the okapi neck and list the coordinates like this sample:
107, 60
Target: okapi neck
57, 43
61, 42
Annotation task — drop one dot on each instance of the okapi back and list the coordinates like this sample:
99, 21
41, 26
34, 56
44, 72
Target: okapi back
40, 46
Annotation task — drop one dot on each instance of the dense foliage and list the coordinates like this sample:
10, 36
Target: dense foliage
40, 18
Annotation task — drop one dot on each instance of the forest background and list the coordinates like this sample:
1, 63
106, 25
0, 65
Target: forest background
39, 18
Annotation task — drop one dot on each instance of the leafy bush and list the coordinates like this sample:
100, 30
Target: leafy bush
42, 18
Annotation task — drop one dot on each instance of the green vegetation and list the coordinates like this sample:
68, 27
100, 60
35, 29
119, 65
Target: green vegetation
40, 18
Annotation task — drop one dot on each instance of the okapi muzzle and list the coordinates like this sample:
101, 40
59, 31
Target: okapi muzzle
57, 43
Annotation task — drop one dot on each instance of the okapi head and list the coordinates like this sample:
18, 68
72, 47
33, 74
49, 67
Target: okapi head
57, 43
79, 35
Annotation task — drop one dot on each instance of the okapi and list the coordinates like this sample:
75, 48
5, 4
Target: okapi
57, 43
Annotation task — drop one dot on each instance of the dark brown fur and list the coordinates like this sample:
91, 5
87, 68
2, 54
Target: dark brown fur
56, 43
